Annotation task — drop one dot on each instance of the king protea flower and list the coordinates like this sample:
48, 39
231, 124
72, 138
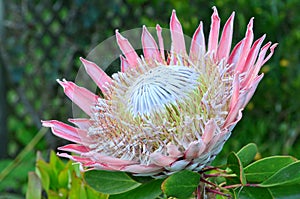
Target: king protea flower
165, 112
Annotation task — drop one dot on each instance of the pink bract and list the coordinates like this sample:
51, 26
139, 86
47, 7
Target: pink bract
164, 112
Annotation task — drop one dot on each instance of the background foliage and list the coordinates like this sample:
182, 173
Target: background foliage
42, 41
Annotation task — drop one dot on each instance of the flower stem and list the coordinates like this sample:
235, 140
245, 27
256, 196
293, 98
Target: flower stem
218, 192
23, 153
210, 168
200, 192
240, 185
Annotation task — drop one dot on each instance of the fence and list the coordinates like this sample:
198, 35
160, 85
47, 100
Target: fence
40, 42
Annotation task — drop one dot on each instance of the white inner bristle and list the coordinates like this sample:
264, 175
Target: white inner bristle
159, 87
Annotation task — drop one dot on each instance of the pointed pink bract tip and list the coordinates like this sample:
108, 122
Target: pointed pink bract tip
215, 13
122, 58
250, 24
84, 61
60, 82
158, 27
119, 36
144, 29
274, 45
174, 17
64, 83
232, 16
117, 33
47, 123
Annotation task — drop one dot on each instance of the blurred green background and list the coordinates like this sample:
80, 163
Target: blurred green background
41, 41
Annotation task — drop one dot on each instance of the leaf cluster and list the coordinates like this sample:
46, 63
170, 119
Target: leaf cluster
243, 176
266, 178
58, 180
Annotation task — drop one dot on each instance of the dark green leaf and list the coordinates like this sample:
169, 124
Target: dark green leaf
141, 179
253, 193
232, 180
247, 154
286, 192
149, 190
181, 184
262, 169
287, 175
278, 192
234, 193
234, 163
110, 182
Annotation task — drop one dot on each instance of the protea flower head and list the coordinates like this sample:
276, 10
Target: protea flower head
165, 112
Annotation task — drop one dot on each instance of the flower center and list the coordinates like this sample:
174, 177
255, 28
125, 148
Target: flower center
160, 86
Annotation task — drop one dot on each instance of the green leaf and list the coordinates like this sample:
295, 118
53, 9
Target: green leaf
44, 176
34, 190
286, 192
149, 190
75, 168
278, 192
247, 154
287, 175
141, 179
63, 193
56, 162
93, 194
181, 184
234, 193
234, 163
63, 178
253, 193
48, 169
110, 182
77, 188
262, 169
53, 195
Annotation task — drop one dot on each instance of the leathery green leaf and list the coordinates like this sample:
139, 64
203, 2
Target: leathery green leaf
247, 154
181, 184
278, 192
234, 163
289, 174
149, 190
262, 169
109, 182
286, 191
253, 193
